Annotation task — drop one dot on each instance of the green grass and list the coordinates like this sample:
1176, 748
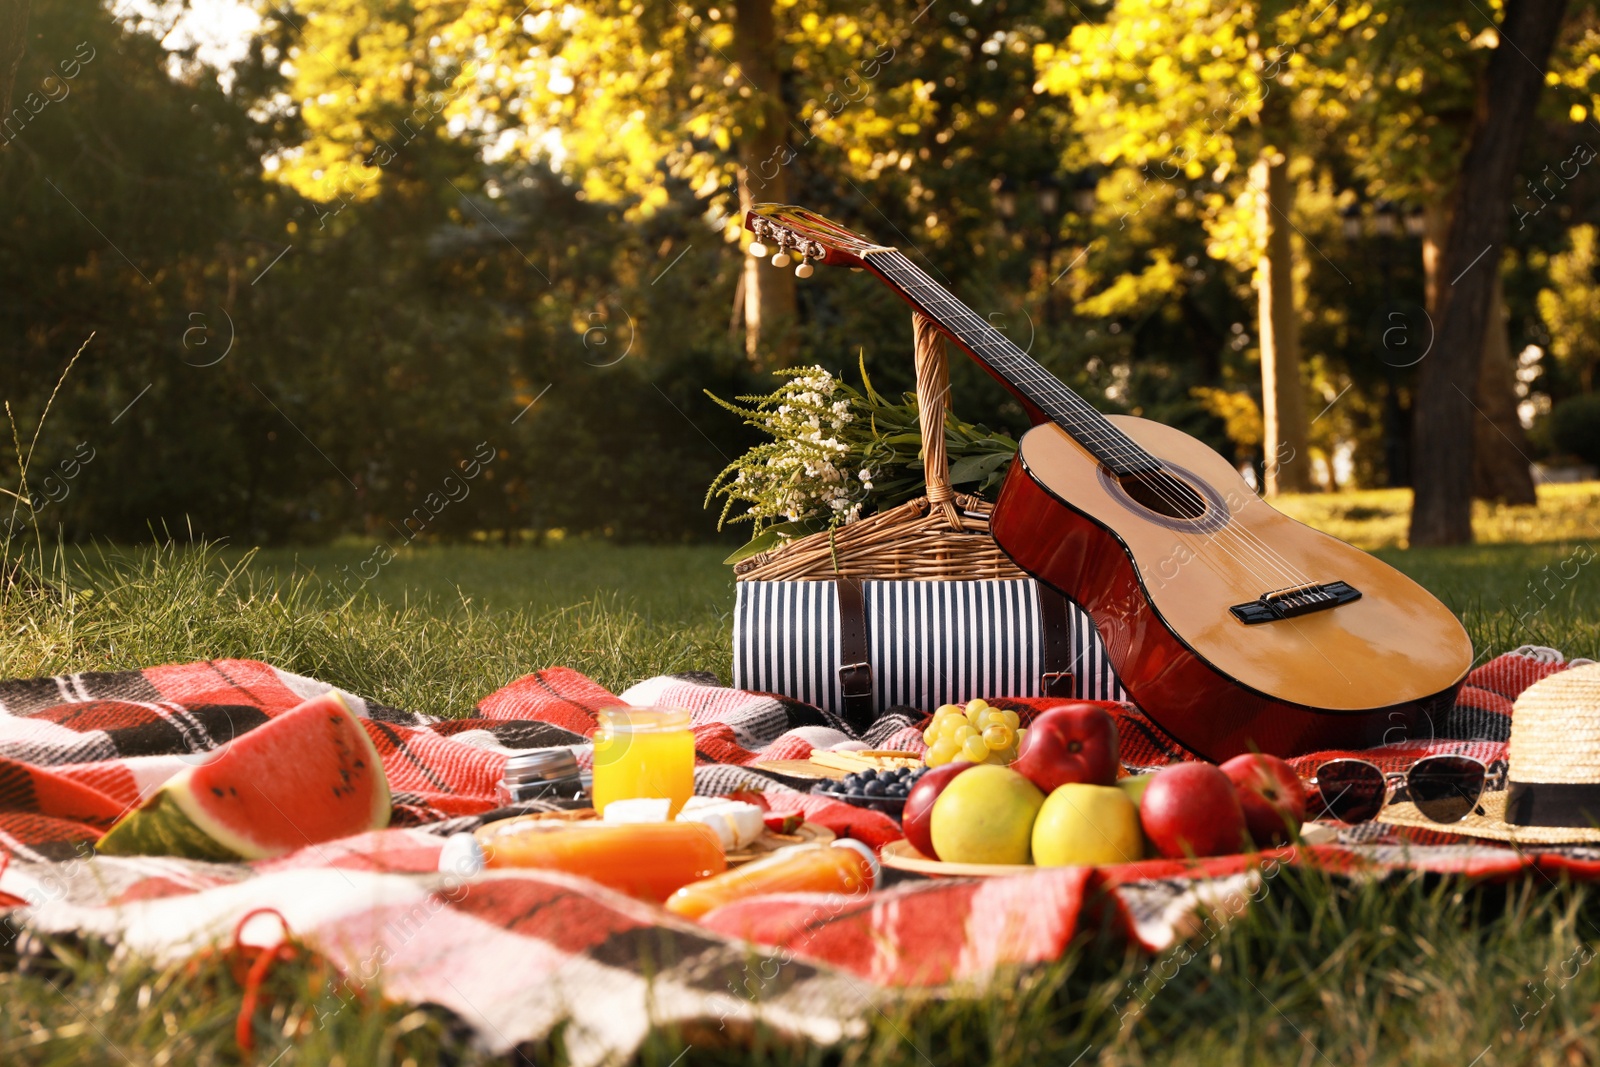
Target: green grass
1405, 971
1378, 518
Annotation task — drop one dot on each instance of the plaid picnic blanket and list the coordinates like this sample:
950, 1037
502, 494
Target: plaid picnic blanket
513, 954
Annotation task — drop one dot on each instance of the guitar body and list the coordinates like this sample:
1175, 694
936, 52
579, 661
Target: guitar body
1160, 587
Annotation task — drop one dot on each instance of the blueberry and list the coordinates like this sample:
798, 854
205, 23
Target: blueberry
875, 789
898, 790
867, 775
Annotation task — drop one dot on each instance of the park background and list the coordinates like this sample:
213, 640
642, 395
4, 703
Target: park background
330, 252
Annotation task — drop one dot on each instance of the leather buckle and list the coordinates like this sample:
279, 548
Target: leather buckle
1056, 683
855, 679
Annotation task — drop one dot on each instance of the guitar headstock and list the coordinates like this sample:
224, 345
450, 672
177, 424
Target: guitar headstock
790, 231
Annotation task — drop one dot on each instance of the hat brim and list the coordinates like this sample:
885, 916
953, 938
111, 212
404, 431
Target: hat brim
1491, 824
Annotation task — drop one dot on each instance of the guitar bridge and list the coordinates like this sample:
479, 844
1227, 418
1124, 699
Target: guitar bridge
1298, 600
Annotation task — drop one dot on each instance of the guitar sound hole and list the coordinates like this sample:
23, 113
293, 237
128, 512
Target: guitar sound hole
1164, 494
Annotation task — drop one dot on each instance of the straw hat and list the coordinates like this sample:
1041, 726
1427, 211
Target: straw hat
1552, 794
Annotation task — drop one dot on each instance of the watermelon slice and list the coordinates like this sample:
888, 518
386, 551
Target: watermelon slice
308, 775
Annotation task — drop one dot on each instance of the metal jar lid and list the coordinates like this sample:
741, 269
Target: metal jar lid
542, 765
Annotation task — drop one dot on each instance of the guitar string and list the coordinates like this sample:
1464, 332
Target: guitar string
1113, 439
1114, 444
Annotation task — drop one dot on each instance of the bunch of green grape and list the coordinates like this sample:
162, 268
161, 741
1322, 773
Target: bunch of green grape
976, 733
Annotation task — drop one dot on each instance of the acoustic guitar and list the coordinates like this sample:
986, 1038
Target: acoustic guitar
1231, 625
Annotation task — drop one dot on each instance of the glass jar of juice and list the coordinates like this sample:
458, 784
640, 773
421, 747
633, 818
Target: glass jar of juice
643, 752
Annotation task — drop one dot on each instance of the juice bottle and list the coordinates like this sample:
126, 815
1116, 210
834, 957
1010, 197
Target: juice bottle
643, 752
843, 867
644, 860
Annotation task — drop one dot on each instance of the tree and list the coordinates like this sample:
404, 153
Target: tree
1185, 90
768, 295
1443, 443
1410, 77
736, 103
587, 87
1571, 308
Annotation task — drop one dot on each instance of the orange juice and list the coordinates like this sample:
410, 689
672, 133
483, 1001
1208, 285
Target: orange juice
643, 752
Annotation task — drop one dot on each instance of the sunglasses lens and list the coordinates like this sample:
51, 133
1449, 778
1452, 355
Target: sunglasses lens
1351, 790
1445, 788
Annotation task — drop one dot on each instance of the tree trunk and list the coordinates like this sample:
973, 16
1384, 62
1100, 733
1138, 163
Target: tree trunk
1287, 460
1441, 512
1435, 232
13, 42
764, 157
1500, 469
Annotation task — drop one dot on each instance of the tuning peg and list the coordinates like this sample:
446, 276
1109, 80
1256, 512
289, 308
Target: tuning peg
781, 258
804, 270
758, 250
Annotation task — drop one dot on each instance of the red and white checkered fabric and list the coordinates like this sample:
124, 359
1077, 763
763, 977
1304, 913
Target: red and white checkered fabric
516, 953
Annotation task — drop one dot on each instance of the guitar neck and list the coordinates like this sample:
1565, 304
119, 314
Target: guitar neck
1039, 390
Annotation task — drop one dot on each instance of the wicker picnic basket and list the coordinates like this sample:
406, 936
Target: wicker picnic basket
916, 605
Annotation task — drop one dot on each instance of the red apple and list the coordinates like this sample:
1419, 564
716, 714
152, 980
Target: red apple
1192, 809
1072, 743
919, 804
1271, 794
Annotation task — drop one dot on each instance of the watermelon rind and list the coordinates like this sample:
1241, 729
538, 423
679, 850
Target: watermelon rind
162, 828
174, 821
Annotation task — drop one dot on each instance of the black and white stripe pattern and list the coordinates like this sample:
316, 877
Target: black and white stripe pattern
932, 643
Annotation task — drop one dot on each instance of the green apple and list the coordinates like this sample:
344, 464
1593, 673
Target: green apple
1087, 825
1136, 786
985, 815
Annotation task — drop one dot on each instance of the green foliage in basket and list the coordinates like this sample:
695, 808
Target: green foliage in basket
838, 453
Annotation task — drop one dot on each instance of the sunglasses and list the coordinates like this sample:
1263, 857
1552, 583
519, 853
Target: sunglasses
1444, 788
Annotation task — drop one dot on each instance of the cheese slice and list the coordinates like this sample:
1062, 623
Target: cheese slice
638, 809
736, 823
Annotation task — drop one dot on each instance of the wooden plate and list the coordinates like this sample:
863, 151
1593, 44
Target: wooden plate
805, 833
902, 855
800, 768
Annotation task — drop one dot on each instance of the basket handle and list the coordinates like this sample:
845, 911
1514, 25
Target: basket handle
933, 400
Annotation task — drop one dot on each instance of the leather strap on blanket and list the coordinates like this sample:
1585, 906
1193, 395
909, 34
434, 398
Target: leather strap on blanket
856, 681
1055, 621
855, 654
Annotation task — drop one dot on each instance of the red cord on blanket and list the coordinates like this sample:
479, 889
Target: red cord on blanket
244, 1028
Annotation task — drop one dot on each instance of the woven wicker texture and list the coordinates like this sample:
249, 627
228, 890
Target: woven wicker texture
1555, 738
943, 536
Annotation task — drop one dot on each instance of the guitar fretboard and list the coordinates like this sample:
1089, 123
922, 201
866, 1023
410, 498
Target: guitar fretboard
1026, 376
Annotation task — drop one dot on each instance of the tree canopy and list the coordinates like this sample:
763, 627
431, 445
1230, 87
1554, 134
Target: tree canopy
323, 279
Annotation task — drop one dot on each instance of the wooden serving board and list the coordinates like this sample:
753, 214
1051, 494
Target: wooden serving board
825, 765
800, 768
902, 855
806, 833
